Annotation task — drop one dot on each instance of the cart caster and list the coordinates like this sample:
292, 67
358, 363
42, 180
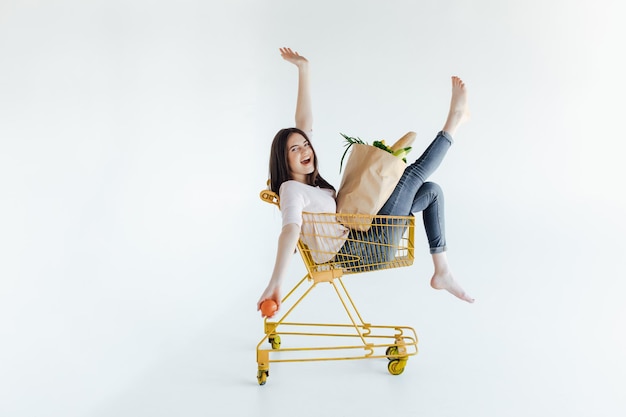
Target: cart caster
396, 366
262, 375
391, 351
274, 341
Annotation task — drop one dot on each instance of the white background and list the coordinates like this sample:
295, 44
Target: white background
134, 139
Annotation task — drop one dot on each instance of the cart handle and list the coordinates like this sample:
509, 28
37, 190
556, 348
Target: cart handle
270, 197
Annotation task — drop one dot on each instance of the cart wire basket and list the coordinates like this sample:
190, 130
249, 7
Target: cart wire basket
331, 249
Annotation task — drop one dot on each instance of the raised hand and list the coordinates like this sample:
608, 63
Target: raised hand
293, 57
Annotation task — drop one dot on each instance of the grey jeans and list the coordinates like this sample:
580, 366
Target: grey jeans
411, 195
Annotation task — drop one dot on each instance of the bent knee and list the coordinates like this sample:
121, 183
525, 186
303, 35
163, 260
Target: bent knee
431, 188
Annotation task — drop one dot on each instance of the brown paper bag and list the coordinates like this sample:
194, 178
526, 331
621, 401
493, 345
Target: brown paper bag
370, 176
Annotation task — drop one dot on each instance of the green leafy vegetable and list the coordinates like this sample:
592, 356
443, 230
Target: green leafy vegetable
349, 142
400, 153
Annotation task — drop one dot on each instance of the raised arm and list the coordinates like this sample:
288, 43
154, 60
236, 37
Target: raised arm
304, 112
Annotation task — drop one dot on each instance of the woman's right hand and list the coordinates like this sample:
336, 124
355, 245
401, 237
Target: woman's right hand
293, 57
272, 292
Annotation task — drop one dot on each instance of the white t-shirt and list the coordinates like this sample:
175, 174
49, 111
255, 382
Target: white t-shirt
324, 238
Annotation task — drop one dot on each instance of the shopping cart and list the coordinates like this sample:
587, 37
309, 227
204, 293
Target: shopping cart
331, 249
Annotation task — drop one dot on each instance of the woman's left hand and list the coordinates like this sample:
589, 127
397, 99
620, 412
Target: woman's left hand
293, 57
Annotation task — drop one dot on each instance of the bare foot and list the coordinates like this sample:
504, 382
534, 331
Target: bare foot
445, 281
459, 109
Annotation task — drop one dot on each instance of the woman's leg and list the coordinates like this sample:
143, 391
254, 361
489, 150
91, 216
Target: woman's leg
414, 194
443, 279
429, 200
400, 203
459, 110
401, 200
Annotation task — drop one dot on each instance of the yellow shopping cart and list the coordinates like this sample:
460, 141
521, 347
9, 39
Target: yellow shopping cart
368, 243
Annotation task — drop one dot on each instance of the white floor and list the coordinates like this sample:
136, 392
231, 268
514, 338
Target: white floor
532, 351
543, 339
509, 354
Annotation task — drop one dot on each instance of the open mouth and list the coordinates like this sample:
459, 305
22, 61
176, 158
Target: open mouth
305, 161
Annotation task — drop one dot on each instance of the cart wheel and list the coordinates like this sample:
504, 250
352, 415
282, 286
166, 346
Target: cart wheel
391, 351
261, 376
396, 366
274, 341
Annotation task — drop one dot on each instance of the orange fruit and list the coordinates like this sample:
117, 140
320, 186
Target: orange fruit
268, 308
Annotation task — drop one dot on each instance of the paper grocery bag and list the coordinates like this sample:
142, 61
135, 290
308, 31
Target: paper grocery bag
370, 176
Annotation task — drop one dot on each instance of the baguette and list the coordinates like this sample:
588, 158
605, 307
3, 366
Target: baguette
404, 142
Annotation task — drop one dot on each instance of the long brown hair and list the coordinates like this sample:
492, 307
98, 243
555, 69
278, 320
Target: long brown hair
279, 164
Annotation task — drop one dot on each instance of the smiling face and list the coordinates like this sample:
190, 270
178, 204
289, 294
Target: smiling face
300, 156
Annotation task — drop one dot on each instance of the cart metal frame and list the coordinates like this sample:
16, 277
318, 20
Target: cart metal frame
368, 341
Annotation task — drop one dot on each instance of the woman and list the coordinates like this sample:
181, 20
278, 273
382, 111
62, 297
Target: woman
295, 177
